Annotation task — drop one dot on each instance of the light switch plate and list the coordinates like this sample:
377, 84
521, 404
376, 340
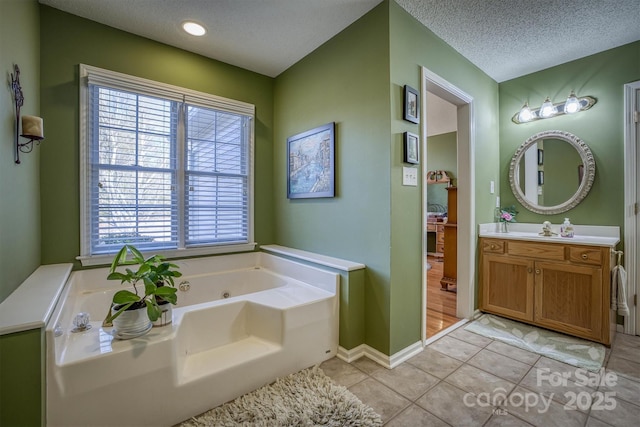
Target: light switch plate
410, 176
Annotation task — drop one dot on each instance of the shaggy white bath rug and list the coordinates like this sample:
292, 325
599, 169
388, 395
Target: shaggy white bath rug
306, 398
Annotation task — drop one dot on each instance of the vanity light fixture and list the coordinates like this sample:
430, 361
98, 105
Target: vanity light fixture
547, 109
571, 105
194, 28
31, 125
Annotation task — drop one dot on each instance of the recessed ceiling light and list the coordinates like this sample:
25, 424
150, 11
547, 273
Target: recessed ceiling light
193, 28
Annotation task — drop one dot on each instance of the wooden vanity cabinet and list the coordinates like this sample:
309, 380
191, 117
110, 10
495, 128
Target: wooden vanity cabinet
557, 286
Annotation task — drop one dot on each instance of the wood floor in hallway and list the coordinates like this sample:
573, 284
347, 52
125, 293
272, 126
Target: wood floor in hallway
441, 305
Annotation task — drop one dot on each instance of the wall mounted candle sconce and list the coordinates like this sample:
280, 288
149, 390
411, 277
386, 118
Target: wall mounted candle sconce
571, 105
32, 128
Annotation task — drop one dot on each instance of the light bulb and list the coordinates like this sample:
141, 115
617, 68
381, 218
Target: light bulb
525, 114
572, 105
547, 109
194, 28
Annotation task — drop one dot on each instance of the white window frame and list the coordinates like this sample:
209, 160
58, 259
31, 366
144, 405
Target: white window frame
149, 87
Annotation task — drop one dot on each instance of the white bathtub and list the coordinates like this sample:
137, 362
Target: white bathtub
276, 318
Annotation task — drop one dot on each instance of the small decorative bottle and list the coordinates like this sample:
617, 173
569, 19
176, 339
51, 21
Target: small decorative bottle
566, 230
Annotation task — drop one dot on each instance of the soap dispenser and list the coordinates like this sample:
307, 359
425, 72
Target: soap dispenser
566, 230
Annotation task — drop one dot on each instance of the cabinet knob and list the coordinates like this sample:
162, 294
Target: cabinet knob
529, 270
493, 246
537, 271
584, 256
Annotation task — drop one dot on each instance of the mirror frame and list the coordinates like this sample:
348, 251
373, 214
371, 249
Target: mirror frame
587, 181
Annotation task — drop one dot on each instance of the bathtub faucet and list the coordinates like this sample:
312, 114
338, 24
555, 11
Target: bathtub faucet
184, 286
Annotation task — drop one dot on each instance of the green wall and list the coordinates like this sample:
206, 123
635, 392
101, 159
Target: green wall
441, 155
68, 40
22, 384
344, 81
358, 79
602, 76
413, 46
19, 184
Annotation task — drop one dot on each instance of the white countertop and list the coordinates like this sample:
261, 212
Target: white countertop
31, 304
591, 235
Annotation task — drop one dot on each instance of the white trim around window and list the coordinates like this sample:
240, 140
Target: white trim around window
177, 166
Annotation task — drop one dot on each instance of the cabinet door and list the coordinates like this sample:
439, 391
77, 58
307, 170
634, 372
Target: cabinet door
569, 298
507, 286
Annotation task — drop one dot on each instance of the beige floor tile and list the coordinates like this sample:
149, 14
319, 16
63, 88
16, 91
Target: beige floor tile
500, 419
541, 411
448, 403
342, 372
470, 337
630, 340
623, 415
625, 351
594, 422
414, 416
623, 388
624, 367
384, 401
502, 366
455, 348
477, 381
407, 380
367, 365
560, 389
435, 363
516, 353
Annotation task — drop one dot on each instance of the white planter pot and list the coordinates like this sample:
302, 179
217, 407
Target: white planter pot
166, 315
131, 323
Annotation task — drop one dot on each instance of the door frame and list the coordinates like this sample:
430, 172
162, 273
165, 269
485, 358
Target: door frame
431, 82
631, 218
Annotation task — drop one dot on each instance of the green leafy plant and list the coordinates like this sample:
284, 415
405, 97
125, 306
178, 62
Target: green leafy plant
153, 272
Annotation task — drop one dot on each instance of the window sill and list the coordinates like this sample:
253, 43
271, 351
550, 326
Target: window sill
106, 259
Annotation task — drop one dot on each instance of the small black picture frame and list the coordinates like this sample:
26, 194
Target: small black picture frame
411, 148
411, 104
311, 163
540, 177
540, 156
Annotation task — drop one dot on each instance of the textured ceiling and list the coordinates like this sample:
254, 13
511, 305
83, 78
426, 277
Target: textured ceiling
504, 38
511, 38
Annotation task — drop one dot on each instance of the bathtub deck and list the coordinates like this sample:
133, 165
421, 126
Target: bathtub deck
211, 353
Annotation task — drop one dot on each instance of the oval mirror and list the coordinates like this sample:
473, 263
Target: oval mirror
551, 172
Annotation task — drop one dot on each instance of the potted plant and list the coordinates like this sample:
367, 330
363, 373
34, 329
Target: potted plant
131, 313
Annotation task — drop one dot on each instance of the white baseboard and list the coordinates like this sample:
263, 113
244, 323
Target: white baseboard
382, 359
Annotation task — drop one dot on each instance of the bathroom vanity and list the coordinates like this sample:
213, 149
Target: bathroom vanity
556, 283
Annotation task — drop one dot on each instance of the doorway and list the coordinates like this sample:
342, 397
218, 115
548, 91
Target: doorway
441, 180
462, 106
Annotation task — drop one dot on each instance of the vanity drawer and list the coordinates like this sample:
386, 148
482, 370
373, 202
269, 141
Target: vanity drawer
440, 247
440, 237
493, 246
550, 251
440, 228
585, 255
431, 227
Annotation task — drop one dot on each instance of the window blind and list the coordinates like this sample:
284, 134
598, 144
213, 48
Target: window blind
162, 173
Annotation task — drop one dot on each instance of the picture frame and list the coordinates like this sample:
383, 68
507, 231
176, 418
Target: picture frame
311, 163
540, 157
540, 177
411, 104
411, 148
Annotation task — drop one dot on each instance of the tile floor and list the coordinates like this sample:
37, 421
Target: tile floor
464, 379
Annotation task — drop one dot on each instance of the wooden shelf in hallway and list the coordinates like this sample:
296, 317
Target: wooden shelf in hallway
441, 305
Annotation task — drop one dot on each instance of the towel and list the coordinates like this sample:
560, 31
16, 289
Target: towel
619, 290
